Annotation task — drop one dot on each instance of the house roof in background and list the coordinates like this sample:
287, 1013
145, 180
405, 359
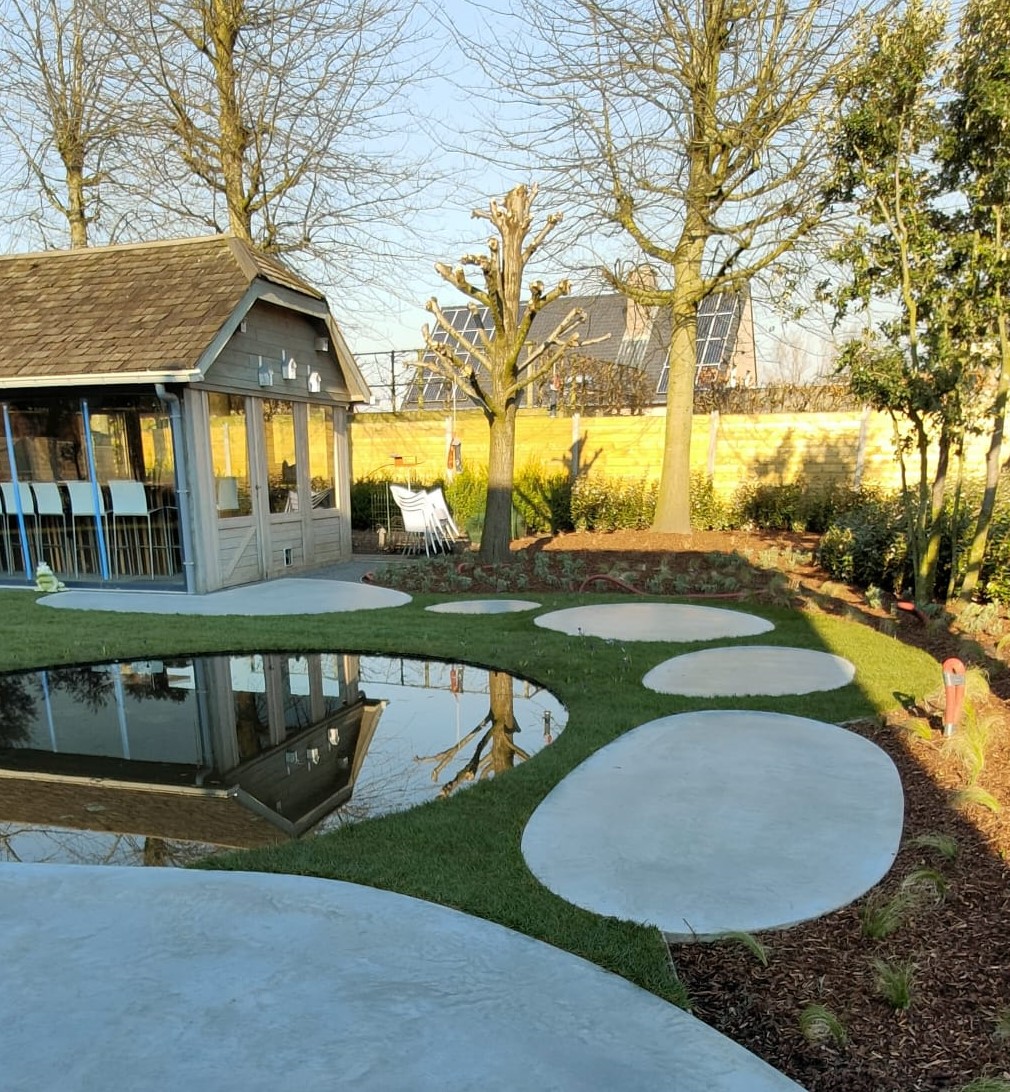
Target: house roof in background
142, 312
606, 318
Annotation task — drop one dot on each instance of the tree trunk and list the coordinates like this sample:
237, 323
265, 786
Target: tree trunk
225, 23
931, 551
497, 533
673, 504
976, 552
76, 205
503, 722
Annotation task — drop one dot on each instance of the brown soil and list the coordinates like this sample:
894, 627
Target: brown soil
955, 928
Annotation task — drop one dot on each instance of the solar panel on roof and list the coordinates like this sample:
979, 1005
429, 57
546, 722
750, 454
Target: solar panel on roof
715, 336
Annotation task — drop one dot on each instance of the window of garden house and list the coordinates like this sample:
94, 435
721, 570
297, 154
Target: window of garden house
230, 454
279, 443
322, 465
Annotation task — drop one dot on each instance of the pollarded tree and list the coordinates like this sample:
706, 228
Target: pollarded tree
692, 129
60, 105
510, 364
977, 154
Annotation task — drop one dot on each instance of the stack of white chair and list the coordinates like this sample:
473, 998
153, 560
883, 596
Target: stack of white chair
426, 520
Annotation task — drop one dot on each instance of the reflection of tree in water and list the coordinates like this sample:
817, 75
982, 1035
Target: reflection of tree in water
97, 847
155, 686
17, 709
19, 693
496, 750
251, 727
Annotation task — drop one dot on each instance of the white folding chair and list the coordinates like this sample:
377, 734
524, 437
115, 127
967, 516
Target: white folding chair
49, 507
442, 516
10, 491
416, 513
84, 539
128, 502
6, 540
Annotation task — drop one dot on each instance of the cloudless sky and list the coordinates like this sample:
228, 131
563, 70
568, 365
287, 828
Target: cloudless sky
448, 116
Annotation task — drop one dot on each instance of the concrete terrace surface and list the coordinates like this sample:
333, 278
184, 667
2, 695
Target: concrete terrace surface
164, 979
752, 669
724, 820
291, 595
654, 622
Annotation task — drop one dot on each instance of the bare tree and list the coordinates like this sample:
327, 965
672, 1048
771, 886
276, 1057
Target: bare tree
275, 121
690, 128
509, 364
59, 108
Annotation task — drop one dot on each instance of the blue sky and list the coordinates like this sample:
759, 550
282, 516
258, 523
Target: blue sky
448, 116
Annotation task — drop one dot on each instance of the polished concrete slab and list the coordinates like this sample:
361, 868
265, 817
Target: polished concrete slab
167, 979
722, 820
750, 669
483, 606
654, 622
294, 595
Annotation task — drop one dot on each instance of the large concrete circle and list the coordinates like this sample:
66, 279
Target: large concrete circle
749, 669
290, 595
482, 606
162, 979
708, 822
654, 622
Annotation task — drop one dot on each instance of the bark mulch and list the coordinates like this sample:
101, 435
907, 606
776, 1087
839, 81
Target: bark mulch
951, 914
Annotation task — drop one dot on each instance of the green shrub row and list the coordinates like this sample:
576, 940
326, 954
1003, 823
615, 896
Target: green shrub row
862, 532
866, 543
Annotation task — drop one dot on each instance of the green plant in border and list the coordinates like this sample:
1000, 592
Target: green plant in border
944, 844
975, 796
818, 1023
747, 940
880, 916
1002, 1028
926, 884
970, 742
986, 1084
893, 982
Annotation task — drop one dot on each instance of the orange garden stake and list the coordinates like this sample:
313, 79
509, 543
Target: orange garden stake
953, 686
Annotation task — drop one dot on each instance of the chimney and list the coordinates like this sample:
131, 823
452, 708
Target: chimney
638, 316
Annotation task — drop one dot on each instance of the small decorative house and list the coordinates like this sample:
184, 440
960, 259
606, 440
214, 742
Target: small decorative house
172, 412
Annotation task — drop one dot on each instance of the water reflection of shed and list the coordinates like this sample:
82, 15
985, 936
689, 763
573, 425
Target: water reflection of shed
236, 751
173, 413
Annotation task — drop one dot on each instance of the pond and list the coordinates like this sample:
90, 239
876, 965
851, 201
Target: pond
161, 761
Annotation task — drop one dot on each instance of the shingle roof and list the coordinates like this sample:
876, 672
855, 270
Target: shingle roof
149, 307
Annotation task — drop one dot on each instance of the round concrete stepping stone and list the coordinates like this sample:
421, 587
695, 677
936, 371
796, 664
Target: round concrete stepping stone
238, 980
751, 669
290, 595
721, 820
482, 606
654, 622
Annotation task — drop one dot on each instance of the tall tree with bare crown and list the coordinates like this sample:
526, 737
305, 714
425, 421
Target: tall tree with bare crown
509, 362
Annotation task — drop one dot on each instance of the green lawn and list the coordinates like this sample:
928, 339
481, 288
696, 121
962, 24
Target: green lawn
464, 851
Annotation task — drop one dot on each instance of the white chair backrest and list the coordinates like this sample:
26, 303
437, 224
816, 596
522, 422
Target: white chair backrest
48, 501
414, 510
441, 509
82, 500
10, 498
402, 493
128, 498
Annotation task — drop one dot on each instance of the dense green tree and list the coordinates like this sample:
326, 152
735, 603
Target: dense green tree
977, 160
899, 251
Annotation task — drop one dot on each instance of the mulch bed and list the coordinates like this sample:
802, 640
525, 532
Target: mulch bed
957, 1026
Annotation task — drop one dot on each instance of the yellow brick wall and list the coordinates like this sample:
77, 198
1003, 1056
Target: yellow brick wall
772, 447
